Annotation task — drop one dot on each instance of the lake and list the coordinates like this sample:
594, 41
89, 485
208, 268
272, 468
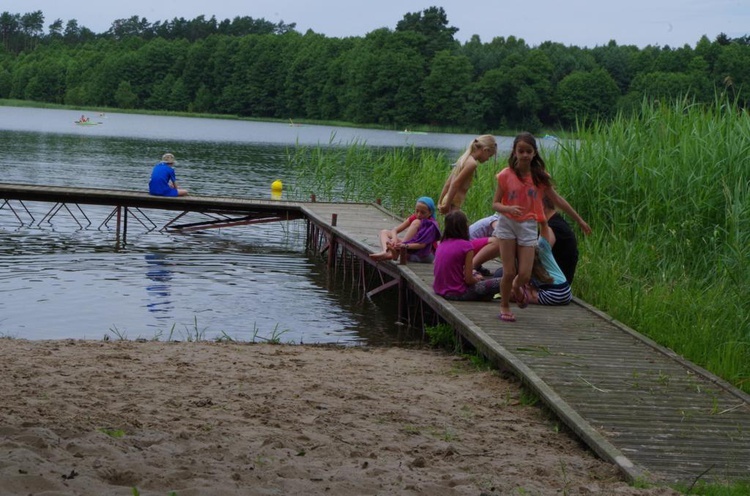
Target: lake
244, 283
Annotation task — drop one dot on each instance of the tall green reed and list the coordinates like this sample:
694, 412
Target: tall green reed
668, 194
396, 176
360, 173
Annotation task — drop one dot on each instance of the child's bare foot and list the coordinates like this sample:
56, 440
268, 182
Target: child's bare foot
383, 255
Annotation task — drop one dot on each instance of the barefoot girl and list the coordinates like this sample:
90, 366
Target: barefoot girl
457, 185
421, 231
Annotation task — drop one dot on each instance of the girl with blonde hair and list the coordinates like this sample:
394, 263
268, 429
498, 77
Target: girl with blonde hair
457, 185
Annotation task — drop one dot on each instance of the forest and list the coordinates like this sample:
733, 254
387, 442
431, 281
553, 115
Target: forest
416, 74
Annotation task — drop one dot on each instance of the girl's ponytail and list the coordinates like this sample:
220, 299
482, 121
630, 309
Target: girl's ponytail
484, 141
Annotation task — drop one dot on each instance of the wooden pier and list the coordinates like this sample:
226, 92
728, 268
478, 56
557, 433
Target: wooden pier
658, 417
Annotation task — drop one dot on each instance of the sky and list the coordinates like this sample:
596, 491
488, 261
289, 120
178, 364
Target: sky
582, 23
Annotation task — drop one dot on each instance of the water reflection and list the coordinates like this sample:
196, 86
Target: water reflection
160, 274
250, 283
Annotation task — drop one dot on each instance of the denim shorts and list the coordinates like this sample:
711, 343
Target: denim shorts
525, 233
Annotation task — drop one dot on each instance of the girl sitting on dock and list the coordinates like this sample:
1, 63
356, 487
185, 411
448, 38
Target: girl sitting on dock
454, 277
421, 233
548, 284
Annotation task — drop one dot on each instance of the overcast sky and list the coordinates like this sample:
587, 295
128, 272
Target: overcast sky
571, 22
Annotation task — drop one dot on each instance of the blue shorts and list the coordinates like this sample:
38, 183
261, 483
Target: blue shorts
166, 192
525, 233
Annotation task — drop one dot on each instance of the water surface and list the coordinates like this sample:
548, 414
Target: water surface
58, 280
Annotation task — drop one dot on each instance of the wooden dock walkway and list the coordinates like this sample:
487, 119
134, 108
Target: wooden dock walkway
637, 404
655, 415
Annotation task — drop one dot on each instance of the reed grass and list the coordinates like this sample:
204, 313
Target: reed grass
357, 172
666, 191
443, 336
199, 333
668, 194
704, 489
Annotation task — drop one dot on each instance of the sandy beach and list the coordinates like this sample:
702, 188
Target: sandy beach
102, 418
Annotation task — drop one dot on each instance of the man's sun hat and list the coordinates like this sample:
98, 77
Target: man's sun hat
168, 158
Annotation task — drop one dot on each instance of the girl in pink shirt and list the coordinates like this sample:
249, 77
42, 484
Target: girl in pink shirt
454, 277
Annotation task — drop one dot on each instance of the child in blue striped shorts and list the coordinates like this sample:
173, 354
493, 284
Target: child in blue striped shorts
548, 285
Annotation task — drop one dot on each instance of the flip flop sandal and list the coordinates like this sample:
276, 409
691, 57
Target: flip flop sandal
507, 317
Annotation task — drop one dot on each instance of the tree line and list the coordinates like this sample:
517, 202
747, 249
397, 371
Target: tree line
414, 74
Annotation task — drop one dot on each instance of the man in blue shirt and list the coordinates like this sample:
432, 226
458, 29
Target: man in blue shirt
163, 182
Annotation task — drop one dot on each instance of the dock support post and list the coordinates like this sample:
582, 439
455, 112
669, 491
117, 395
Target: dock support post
332, 247
308, 236
117, 230
125, 227
401, 298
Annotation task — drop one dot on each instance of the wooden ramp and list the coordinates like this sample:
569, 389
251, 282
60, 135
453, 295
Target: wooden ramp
635, 403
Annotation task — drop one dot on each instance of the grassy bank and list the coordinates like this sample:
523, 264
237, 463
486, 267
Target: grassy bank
667, 193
